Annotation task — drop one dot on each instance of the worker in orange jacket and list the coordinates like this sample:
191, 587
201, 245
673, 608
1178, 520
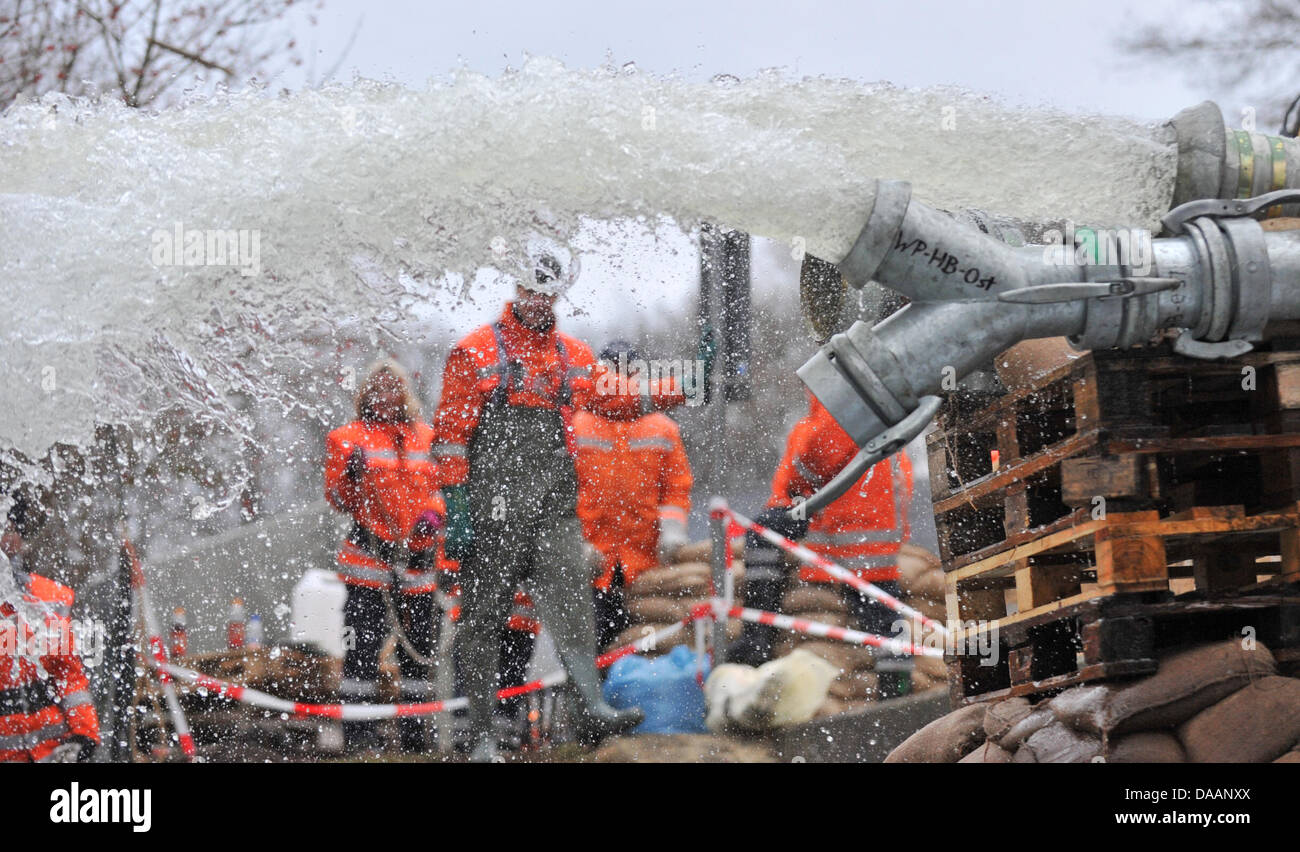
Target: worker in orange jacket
380, 471
634, 484
506, 453
46, 712
863, 531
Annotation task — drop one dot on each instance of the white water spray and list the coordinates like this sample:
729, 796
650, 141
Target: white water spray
370, 199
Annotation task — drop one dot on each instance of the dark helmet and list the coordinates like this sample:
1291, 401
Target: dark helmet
615, 348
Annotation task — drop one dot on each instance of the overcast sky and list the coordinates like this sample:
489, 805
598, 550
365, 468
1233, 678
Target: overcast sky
1055, 53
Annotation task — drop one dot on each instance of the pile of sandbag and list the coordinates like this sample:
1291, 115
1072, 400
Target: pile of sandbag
665, 595
921, 577
855, 683
1222, 702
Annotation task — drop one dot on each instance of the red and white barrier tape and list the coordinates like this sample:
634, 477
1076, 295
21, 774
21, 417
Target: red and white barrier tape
159, 653
830, 631
373, 712
803, 554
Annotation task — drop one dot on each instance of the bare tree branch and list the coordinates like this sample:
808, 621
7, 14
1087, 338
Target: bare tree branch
140, 48
1247, 48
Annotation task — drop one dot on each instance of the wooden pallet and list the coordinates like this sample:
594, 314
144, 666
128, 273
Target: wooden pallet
1212, 549
1117, 431
1137, 430
1118, 636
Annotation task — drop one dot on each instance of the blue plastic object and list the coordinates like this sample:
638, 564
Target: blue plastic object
665, 688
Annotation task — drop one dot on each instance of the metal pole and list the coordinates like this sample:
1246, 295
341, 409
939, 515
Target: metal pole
719, 556
735, 315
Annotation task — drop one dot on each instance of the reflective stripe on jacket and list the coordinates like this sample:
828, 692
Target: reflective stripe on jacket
520, 366
862, 530
634, 479
43, 698
399, 484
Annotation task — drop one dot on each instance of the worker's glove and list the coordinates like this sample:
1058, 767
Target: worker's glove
763, 558
356, 467
672, 538
778, 520
459, 543
427, 526
75, 749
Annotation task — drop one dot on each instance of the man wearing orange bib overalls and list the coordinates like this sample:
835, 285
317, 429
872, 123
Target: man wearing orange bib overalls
506, 450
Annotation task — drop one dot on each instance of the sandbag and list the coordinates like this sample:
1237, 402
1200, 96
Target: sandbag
1256, 724
702, 551
685, 636
1147, 747
1057, 742
988, 753
640, 631
832, 706
836, 619
931, 608
1082, 707
814, 597
932, 667
920, 572
690, 579
921, 682
1026, 727
945, 740
1188, 681
1003, 715
778, 693
843, 656
856, 686
659, 610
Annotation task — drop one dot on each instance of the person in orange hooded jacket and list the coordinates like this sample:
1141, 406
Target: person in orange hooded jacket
379, 470
863, 531
634, 483
46, 711
506, 452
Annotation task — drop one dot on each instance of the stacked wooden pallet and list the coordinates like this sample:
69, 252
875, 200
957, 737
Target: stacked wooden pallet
1133, 473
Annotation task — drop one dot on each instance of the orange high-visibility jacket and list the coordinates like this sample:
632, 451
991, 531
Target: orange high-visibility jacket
518, 366
38, 711
862, 530
400, 483
633, 477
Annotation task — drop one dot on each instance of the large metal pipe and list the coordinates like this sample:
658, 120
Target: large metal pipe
1215, 161
1220, 278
